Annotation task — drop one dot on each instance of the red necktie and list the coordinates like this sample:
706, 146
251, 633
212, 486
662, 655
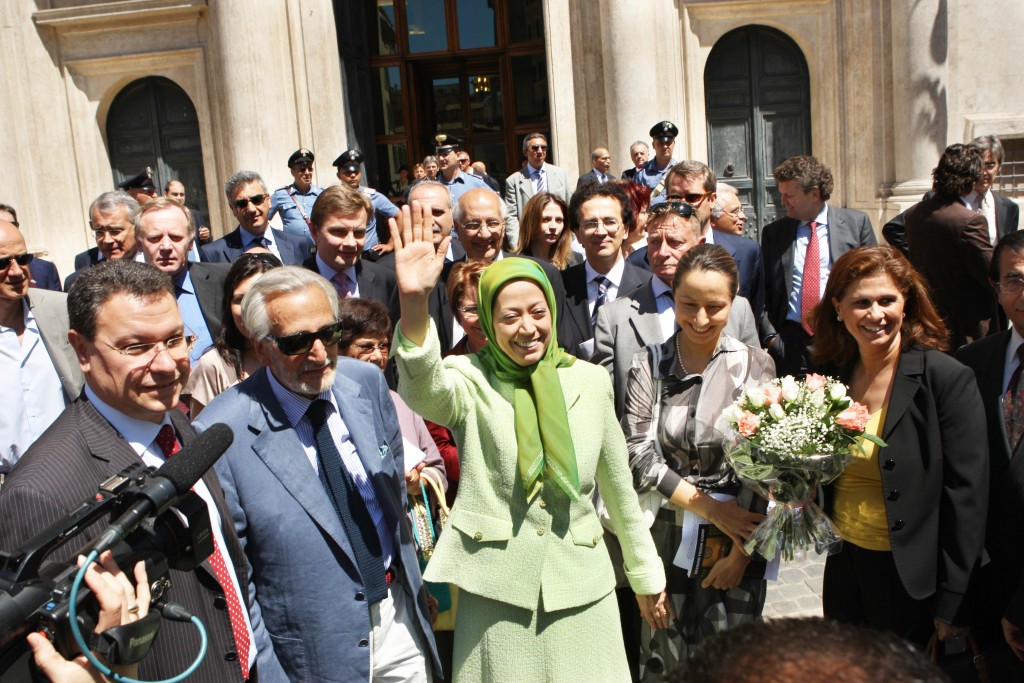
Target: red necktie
810, 293
169, 445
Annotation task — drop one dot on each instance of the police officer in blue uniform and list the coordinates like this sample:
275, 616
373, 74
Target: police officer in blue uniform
294, 202
663, 135
378, 235
458, 182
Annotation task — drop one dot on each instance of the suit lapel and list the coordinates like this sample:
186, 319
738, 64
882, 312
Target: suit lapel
281, 451
788, 238
836, 227
578, 303
645, 321
905, 385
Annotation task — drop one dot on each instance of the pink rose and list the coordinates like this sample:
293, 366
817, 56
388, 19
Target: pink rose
815, 382
855, 417
748, 423
772, 394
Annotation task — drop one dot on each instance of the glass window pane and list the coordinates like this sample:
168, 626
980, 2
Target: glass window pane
493, 156
485, 102
476, 24
426, 25
387, 85
530, 79
447, 107
387, 43
390, 158
526, 20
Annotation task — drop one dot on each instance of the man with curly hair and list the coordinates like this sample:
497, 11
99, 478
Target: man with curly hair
814, 232
949, 243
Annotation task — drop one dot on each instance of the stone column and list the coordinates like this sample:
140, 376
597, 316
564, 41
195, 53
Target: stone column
919, 97
561, 92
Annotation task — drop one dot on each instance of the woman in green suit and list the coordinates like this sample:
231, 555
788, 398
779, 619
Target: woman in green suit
537, 435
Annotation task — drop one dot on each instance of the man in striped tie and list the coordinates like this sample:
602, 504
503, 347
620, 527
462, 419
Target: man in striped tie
339, 221
133, 349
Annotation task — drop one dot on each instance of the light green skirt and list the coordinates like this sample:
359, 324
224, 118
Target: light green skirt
497, 642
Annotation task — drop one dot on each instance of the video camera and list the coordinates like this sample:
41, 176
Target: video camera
36, 597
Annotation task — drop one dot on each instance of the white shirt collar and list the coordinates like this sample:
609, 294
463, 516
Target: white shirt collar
248, 237
139, 434
615, 274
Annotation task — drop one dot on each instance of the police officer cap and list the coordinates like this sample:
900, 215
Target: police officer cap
665, 131
349, 160
143, 181
444, 143
298, 155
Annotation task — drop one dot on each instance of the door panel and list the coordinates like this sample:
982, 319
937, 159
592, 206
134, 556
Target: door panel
758, 109
152, 122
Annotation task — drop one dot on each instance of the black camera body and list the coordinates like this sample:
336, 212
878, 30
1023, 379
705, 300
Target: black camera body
37, 597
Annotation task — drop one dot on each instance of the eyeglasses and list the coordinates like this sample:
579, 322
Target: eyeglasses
539, 148
367, 348
492, 225
178, 346
302, 342
609, 224
21, 259
469, 310
114, 233
735, 213
692, 198
678, 208
1012, 285
243, 202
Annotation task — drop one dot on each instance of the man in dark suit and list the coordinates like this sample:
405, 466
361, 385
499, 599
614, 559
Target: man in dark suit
812, 227
338, 224
694, 183
131, 346
598, 216
164, 233
638, 153
479, 218
601, 160
250, 203
316, 484
996, 361
110, 220
950, 245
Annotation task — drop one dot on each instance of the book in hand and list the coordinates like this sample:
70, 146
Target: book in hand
703, 545
712, 545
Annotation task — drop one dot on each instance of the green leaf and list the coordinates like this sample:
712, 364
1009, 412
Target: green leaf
874, 439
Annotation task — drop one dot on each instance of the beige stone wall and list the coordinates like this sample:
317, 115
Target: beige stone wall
264, 77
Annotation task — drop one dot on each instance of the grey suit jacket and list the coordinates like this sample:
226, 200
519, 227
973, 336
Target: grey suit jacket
50, 310
307, 605
847, 229
577, 302
60, 471
630, 323
519, 190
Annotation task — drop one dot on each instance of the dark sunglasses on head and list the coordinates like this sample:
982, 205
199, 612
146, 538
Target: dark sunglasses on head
678, 208
243, 202
21, 259
302, 342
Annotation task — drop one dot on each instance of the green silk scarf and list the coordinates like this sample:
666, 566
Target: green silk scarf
543, 439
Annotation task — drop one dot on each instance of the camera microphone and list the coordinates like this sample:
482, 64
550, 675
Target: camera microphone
175, 478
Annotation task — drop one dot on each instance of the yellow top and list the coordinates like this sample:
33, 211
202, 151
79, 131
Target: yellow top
859, 508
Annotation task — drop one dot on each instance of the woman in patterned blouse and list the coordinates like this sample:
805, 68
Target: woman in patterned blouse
674, 396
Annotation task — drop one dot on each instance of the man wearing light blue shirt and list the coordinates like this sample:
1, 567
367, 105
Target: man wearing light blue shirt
663, 136
164, 234
294, 202
457, 181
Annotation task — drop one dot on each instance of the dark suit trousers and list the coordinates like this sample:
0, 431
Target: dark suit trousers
796, 359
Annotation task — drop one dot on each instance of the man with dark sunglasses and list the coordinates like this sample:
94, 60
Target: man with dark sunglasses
40, 371
535, 177
250, 203
315, 481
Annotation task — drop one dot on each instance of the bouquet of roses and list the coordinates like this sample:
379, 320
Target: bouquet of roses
784, 439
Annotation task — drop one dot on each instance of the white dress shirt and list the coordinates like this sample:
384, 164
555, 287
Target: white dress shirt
666, 308
30, 392
614, 277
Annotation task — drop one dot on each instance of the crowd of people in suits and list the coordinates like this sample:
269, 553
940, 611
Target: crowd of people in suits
557, 360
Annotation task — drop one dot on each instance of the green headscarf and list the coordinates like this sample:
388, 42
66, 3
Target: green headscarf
543, 440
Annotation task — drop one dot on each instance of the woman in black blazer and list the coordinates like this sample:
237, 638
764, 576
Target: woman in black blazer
911, 513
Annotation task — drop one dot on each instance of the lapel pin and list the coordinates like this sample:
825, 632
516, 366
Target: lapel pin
383, 451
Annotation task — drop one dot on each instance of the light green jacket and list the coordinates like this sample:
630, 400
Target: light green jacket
498, 545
